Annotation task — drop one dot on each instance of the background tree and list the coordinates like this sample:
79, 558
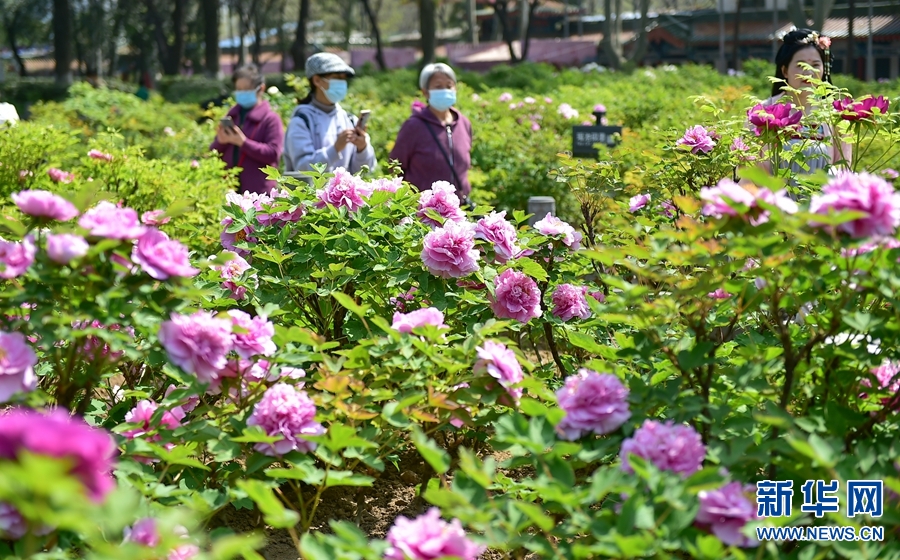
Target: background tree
612, 34
371, 14
427, 30
210, 13
508, 27
800, 15
170, 39
62, 40
24, 25
298, 48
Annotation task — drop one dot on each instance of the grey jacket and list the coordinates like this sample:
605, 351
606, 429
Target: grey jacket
310, 138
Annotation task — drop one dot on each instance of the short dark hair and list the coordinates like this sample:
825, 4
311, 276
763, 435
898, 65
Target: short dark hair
792, 43
248, 72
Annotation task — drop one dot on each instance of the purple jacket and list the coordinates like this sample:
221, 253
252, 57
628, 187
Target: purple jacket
265, 140
420, 156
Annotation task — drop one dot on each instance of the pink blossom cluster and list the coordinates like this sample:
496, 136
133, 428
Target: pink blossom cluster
637, 202
726, 510
670, 447
569, 302
44, 204
721, 199
449, 251
862, 109
142, 417
406, 322
94, 347
860, 192
97, 154
89, 451
775, 117
162, 258
500, 362
401, 300
697, 139
112, 222
516, 296
16, 257
286, 412
232, 270
60, 176
145, 532
428, 537
442, 199
495, 229
593, 402
344, 189
17, 361
279, 218
154, 218
888, 377
553, 226
566, 111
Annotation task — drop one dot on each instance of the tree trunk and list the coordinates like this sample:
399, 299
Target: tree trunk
526, 37
501, 17
373, 21
10, 27
210, 11
62, 40
427, 30
176, 54
850, 66
736, 45
298, 48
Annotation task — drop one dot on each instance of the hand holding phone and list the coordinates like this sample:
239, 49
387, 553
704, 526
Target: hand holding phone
227, 123
363, 120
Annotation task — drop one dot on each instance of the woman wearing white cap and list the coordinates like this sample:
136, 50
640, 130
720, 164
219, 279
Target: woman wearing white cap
320, 130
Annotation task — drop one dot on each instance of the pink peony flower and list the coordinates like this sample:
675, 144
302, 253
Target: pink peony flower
257, 340
599, 108
529, 100
195, 164
449, 251
505, 96
417, 105
197, 343
888, 377
89, 451
282, 217
184, 552
16, 258
17, 361
406, 322
669, 210
97, 154
388, 184
495, 229
598, 296
155, 218
94, 346
860, 192
566, 111
535, 127
719, 293
60, 176
726, 510
569, 302
516, 296
697, 139
890, 174
548, 100
668, 446
248, 200
500, 362
442, 199
192, 400
230, 240
428, 537
142, 416
284, 411
863, 109
231, 270
108, 220
551, 225
593, 402
44, 204
721, 198
143, 532
343, 189
773, 117
161, 257
637, 202
12, 525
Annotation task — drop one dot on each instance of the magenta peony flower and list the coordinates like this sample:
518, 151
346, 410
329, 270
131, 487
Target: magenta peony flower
504, 97
188, 405
669, 210
726, 510
60, 176
569, 302
97, 154
62, 248
670, 447
230, 240
857, 110
343, 189
406, 322
143, 532
719, 293
108, 220
697, 139
16, 258
142, 415
155, 218
197, 343
721, 198
593, 402
500, 362
773, 117
860, 192
551, 225
284, 411
449, 251
388, 184
442, 199
566, 111
495, 229
161, 257
257, 338
599, 296
282, 217
428, 537
738, 145
516, 296
44, 204
599, 108
12, 525
888, 377
94, 346
17, 361
890, 174
89, 451
637, 202
232, 269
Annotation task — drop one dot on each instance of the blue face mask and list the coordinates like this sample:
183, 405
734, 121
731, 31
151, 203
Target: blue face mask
337, 90
245, 98
442, 99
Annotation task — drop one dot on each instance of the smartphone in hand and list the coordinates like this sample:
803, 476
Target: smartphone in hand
363, 120
227, 123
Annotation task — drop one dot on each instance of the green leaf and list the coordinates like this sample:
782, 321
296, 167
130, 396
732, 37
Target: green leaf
537, 515
347, 478
429, 450
350, 305
586, 342
274, 512
531, 268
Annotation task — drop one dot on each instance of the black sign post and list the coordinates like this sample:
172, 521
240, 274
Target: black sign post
584, 138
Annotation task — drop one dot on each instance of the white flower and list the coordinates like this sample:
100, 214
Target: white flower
273, 91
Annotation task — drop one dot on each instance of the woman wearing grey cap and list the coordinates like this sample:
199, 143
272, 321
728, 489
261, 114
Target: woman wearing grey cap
320, 130
435, 143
